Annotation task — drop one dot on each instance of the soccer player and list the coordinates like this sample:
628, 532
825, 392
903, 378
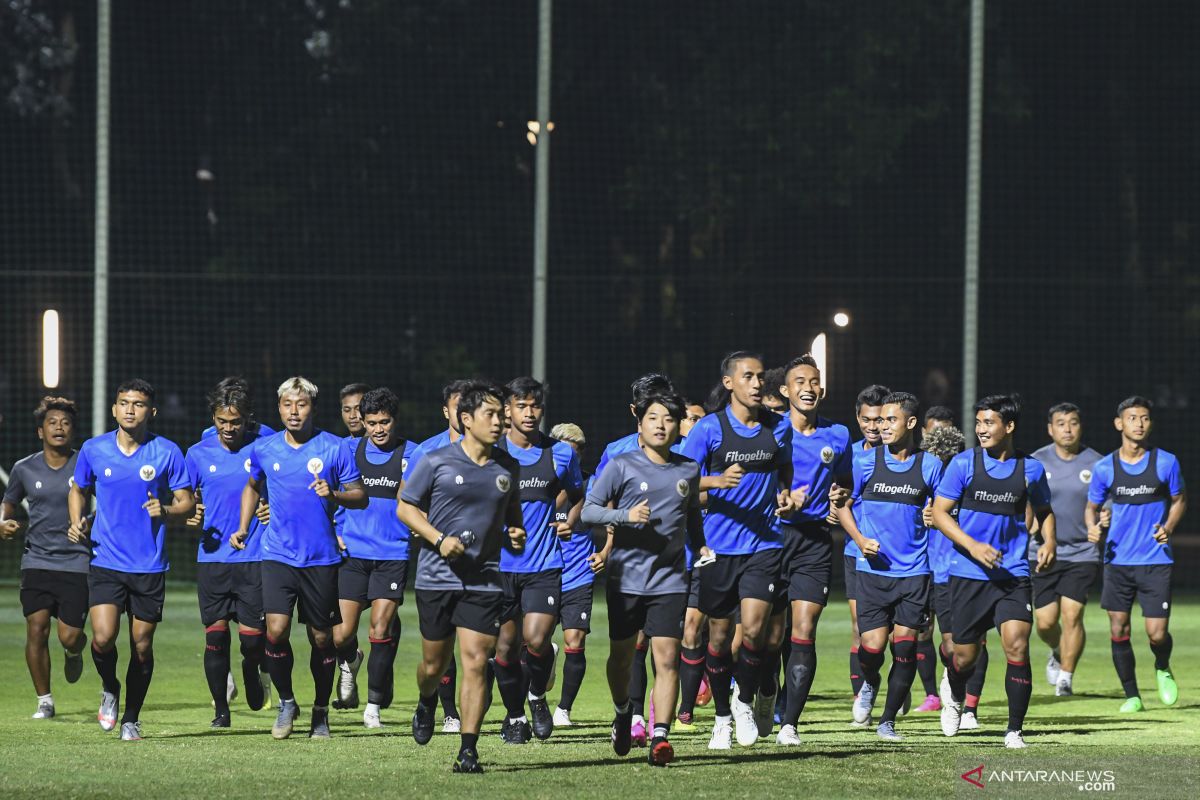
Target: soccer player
447, 689
254, 428
375, 570
989, 572
1063, 589
228, 580
1148, 503
308, 472
459, 500
581, 563
744, 452
939, 417
820, 451
532, 576
656, 499
54, 569
350, 406
129, 471
868, 407
891, 485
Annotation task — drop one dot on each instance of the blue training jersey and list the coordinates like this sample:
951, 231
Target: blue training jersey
301, 532
575, 554
890, 510
220, 475
546, 468
124, 536
375, 532
818, 458
742, 520
1004, 527
850, 548
435, 442
1139, 502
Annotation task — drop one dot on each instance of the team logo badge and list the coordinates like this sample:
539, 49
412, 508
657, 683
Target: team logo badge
827, 455
275, 466
71, 481
458, 479
394, 586
246, 465
212, 467
37, 485
583, 615
1048, 475
404, 465
1085, 476
549, 600
643, 486
107, 472
503, 482
148, 472
315, 465
682, 487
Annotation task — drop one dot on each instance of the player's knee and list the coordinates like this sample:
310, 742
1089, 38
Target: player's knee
143, 648
37, 631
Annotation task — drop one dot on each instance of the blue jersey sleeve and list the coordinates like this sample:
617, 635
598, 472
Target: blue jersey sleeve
567, 462
1169, 473
256, 469
193, 468
860, 470
933, 471
345, 469
178, 476
783, 436
1102, 477
844, 463
954, 480
1039, 488
85, 475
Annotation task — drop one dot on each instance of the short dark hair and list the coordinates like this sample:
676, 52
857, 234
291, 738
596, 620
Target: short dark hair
231, 393
1061, 408
380, 401
353, 388
773, 380
945, 442
452, 388
908, 403
525, 386
1008, 406
136, 385
474, 394
872, 395
940, 413
650, 383
672, 402
50, 403
805, 360
1134, 401
733, 358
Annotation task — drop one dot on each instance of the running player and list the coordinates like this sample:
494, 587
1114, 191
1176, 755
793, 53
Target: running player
693, 688
820, 451
228, 580
581, 563
989, 571
349, 659
891, 485
655, 495
1063, 589
459, 500
375, 570
128, 470
254, 428
938, 417
54, 569
1148, 503
308, 472
868, 407
744, 452
532, 576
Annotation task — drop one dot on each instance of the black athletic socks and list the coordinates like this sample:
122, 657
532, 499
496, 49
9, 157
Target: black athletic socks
106, 668
638, 680
748, 673
1018, 683
798, 676
975, 683
1126, 664
216, 666
447, 687
509, 681
537, 668
718, 667
870, 663
379, 671
252, 662
856, 679
137, 683
1162, 653
322, 663
927, 666
573, 671
278, 655
691, 673
900, 676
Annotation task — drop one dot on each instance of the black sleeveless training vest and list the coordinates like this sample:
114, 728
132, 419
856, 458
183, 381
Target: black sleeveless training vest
1004, 497
381, 480
539, 481
890, 486
756, 453
1138, 490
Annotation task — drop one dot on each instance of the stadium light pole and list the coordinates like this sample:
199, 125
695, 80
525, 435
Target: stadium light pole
541, 201
100, 236
970, 363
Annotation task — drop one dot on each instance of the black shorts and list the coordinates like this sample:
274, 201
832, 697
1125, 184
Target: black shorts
805, 565
63, 594
442, 611
1150, 583
1070, 579
365, 580
139, 594
850, 572
575, 609
230, 591
314, 589
530, 593
693, 579
981, 605
942, 608
729, 580
654, 614
883, 601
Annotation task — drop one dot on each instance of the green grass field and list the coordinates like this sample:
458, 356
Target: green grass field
1153, 754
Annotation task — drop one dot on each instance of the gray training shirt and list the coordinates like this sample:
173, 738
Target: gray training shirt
1068, 481
46, 542
648, 559
465, 500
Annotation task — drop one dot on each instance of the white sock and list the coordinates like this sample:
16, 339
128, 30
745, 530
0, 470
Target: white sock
532, 697
638, 718
1065, 677
373, 708
46, 698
